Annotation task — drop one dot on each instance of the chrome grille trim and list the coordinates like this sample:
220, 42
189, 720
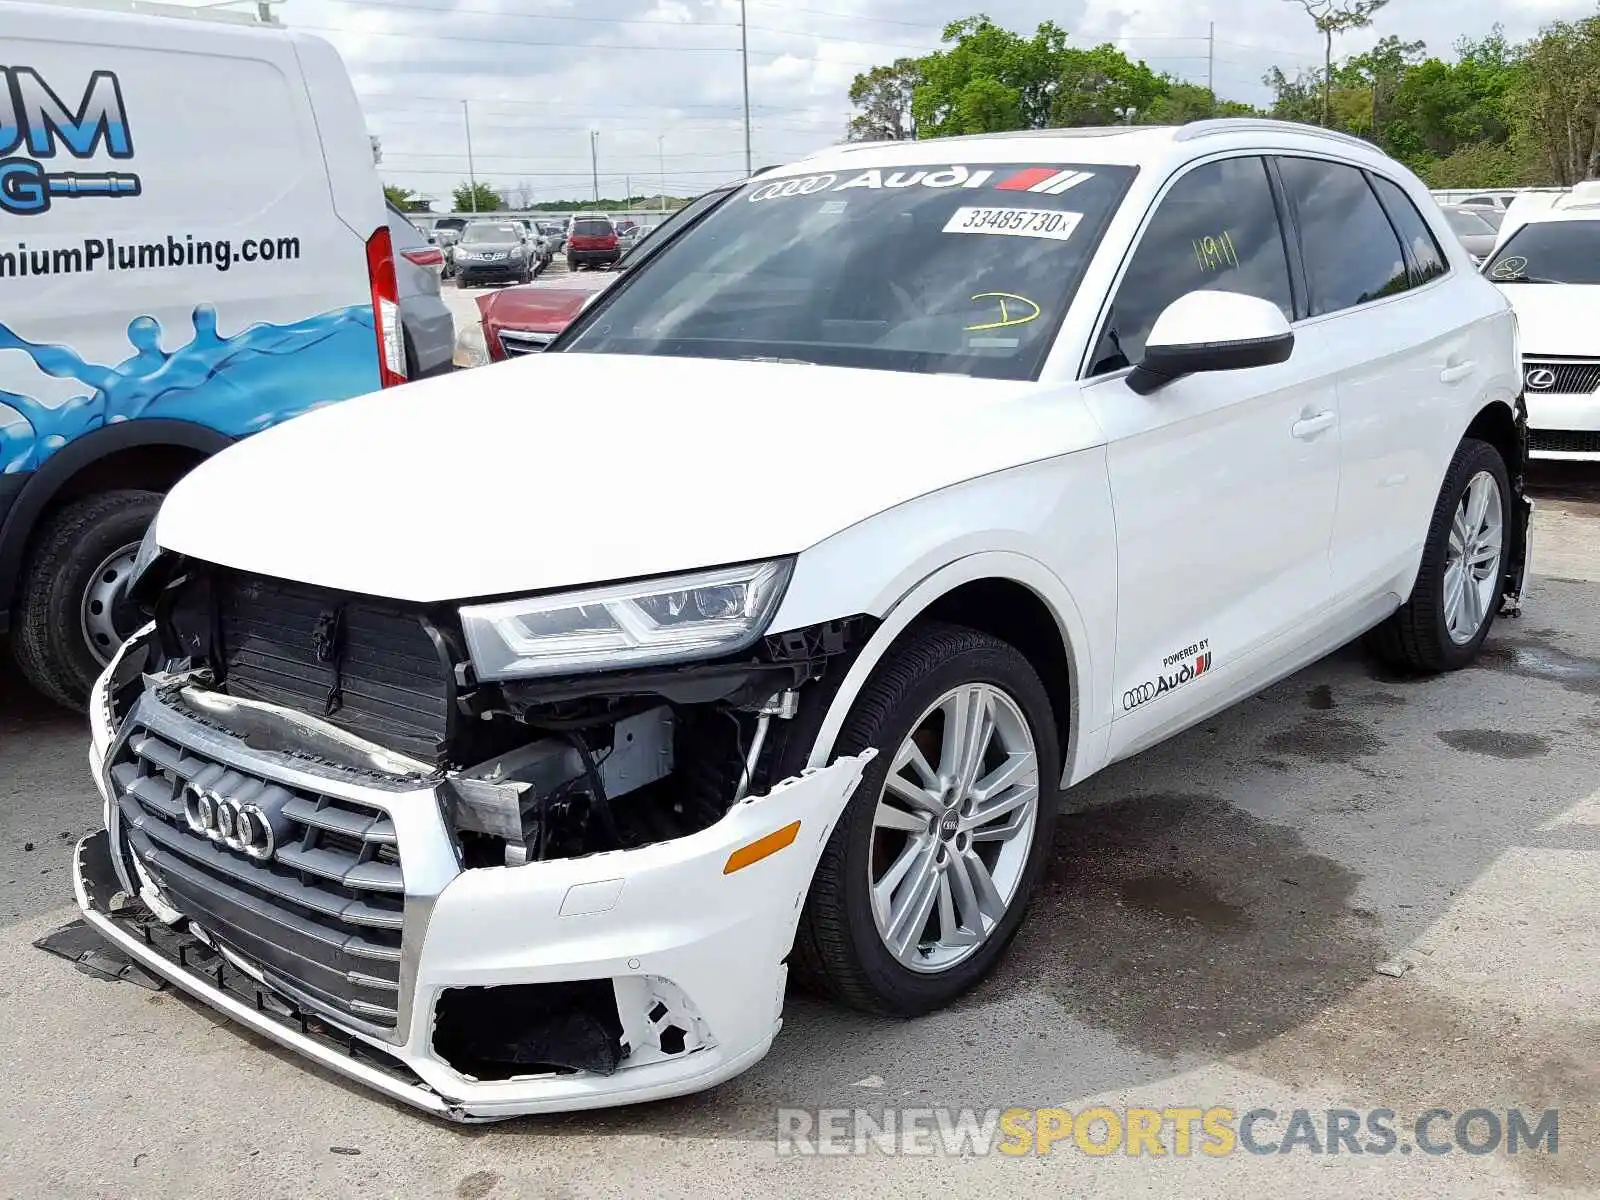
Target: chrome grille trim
329, 923
516, 342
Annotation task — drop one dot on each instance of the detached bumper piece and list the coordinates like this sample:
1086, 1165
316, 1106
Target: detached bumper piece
184, 960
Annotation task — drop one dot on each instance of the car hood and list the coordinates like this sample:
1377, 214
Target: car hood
564, 469
1556, 318
540, 309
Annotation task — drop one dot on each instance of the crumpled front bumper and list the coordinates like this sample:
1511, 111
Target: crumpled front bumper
669, 919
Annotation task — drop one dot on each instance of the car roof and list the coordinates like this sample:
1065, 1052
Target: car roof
1130, 145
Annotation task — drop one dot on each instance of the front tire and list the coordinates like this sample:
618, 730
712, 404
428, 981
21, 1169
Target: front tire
1453, 604
74, 610
927, 876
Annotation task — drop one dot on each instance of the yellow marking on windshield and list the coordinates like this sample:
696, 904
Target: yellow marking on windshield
1008, 318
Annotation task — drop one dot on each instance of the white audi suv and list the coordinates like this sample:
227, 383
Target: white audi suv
504, 743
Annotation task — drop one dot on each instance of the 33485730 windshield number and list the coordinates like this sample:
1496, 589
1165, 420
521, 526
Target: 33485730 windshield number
1020, 220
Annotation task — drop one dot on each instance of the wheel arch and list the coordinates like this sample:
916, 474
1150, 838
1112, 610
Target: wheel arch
1497, 424
1010, 596
149, 454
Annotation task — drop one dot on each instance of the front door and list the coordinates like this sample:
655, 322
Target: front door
1224, 484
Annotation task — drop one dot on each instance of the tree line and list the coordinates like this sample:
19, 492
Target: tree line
1495, 113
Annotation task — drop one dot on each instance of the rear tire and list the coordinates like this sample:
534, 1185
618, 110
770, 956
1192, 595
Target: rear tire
1431, 632
51, 642
843, 944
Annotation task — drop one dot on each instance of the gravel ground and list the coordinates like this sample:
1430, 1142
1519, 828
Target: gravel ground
1207, 935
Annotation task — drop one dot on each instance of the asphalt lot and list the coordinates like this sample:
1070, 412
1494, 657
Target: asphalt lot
1208, 935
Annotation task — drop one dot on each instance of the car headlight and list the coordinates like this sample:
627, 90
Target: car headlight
471, 348
652, 621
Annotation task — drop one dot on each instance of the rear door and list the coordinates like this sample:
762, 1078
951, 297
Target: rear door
1385, 304
1224, 483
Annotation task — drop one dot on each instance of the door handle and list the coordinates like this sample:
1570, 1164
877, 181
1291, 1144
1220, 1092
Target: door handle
1308, 427
1456, 372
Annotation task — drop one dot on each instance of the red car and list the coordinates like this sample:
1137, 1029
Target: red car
592, 241
517, 321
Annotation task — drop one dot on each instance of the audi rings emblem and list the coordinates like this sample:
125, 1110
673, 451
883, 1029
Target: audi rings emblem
804, 186
1540, 379
1133, 697
243, 827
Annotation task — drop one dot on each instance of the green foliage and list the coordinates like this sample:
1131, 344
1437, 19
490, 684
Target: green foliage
884, 95
404, 199
1491, 114
479, 197
988, 79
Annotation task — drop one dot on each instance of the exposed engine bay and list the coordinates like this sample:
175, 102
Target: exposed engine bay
530, 770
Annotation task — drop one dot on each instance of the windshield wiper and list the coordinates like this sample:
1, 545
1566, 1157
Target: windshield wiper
1521, 279
769, 358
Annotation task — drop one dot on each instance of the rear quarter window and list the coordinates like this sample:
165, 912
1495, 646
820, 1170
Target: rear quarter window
1427, 258
1351, 253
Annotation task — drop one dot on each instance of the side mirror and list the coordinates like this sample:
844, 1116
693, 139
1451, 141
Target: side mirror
1211, 331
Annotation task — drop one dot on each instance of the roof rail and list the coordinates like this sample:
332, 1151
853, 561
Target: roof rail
262, 16
1219, 125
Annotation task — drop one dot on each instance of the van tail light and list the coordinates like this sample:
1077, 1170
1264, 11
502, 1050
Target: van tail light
386, 309
429, 256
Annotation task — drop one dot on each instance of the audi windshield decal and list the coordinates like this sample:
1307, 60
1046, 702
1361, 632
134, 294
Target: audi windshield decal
1047, 181
1181, 667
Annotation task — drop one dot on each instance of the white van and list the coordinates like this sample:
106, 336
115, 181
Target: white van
193, 247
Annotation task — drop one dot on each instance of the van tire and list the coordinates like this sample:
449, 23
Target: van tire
1416, 637
48, 641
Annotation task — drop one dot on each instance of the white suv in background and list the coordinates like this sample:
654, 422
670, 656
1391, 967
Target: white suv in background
506, 755
1547, 262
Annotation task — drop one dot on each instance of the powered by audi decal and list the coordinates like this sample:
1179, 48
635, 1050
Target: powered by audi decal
1047, 181
1181, 667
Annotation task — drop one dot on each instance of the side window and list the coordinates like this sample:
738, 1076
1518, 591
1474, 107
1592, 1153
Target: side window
1427, 259
1351, 253
1216, 230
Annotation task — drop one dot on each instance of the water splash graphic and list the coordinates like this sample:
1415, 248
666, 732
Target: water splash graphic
235, 385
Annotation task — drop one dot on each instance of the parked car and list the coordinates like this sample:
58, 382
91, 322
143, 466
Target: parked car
759, 624
493, 252
429, 328
525, 320
158, 302
517, 321
592, 241
1472, 229
555, 235
1549, 269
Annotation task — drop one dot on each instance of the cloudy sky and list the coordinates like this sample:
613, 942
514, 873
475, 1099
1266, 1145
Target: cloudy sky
659, 80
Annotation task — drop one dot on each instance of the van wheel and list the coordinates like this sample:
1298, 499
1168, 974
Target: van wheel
74, 606
1457, 594
928, 874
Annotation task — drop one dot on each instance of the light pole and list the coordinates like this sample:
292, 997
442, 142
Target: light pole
661, 150
744, 62
594, 162
472, 174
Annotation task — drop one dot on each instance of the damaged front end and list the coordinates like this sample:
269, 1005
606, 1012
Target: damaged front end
483, 897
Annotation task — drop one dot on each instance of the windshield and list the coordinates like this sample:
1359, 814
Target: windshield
1467, 224
934, 268
1549, 252
486, 232
592, 228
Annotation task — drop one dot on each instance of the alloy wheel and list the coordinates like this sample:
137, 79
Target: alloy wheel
953, 828
1472, 559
